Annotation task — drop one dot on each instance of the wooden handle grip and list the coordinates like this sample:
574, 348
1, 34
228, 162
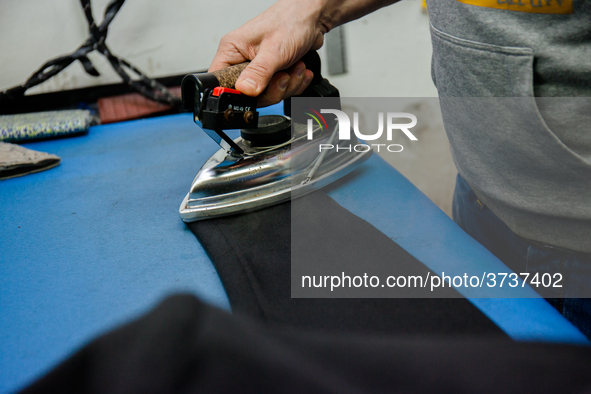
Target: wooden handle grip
228, 76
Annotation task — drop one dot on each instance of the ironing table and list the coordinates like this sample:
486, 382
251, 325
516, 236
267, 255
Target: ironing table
98, 240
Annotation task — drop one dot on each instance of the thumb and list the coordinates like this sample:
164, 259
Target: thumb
256, 76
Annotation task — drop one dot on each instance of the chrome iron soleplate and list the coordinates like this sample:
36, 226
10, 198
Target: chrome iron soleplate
265, 195
228, 184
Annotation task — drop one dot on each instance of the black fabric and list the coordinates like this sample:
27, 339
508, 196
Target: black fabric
185, 346
356, 345
252, 254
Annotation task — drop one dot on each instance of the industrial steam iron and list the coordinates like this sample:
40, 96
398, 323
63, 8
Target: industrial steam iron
276, 158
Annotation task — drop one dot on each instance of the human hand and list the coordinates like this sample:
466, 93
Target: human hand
274, 41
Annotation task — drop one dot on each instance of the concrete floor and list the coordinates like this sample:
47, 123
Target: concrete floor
427, 162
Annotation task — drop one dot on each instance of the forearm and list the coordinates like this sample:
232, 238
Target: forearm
323, 15
333, 13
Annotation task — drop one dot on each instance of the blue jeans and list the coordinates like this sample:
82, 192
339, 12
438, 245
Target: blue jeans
522, 255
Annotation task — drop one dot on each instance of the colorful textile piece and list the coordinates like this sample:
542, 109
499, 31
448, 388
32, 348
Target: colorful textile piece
37, 125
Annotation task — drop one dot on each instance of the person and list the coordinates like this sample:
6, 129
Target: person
524, 153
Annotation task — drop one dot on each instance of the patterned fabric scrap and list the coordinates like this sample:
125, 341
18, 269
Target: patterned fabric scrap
18, 161
37, 125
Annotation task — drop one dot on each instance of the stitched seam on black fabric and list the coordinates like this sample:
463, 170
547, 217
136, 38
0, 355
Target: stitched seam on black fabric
248, 272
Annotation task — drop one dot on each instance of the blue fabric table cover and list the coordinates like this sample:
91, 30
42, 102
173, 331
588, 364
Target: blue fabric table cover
98, 240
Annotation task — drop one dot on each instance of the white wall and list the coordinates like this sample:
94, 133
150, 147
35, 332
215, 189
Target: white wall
388, 51
389, 54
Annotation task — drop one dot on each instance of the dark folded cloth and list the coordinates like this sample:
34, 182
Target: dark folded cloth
185, 346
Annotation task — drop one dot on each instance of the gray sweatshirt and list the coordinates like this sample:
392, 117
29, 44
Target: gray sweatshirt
515, 91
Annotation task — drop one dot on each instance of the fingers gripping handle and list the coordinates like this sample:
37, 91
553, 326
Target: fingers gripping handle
197, 83
227, 77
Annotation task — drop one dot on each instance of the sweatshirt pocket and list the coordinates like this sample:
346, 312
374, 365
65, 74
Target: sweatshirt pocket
501, 143
464, 68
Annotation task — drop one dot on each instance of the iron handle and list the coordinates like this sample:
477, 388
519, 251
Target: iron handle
228, 76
